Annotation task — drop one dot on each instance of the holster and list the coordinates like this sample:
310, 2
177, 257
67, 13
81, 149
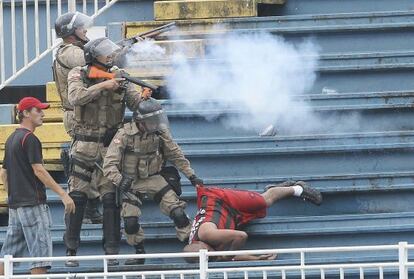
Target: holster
171, 175
66, 162
109, 135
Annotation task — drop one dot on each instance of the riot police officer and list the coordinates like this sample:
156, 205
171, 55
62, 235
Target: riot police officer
135, 162
72, 28
99, 107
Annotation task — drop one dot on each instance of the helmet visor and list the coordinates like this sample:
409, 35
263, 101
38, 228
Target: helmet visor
154, 121
82, 21
105, 48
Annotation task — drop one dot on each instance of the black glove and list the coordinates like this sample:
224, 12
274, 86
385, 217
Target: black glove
125, 184
195, 180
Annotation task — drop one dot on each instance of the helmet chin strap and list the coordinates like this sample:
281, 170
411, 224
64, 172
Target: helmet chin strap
84, 42
106, 66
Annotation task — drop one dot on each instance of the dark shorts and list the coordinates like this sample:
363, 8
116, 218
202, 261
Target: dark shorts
29, 228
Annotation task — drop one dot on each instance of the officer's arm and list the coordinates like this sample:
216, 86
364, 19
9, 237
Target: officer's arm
173, 153
132, 97
113, 158
78, 94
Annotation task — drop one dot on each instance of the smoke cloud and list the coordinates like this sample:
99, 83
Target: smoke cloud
260, 75
143, 52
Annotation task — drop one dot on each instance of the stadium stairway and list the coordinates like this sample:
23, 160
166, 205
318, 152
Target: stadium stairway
365, 171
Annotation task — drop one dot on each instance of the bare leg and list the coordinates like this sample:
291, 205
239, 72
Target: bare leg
277, 193
1, 269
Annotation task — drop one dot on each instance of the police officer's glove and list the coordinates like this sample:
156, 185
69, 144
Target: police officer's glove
196, 181
125, 184
117, 71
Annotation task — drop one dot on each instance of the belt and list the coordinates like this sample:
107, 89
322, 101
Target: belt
96, 139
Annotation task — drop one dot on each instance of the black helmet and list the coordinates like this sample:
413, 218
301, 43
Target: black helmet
99, 47
67, 24
151, 116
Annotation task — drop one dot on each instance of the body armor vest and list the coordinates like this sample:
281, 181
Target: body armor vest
60, 76
105, 112
143, 156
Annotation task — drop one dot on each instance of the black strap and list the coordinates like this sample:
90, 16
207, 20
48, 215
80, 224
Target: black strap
158, 196
130, 149
130, 201
60, 61
82, 176
85, 138
82, 165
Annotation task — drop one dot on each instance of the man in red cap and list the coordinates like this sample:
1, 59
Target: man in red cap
24, 178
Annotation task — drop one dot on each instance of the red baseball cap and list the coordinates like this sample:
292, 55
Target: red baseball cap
31, 102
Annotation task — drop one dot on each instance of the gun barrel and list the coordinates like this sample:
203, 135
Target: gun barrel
163, 28
139, 82
150, 33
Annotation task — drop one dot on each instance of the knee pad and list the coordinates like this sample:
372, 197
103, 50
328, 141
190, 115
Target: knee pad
131, 225
179, 217
108, 200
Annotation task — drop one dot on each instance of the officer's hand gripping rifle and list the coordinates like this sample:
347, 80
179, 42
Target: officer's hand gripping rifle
96, 73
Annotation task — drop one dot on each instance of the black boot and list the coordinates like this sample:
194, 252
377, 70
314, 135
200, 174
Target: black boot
92, 214
112, 262
139, 249
111, 227
73, 224
71, 263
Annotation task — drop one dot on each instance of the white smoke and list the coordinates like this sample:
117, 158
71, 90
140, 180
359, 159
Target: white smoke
258, 74
144, 51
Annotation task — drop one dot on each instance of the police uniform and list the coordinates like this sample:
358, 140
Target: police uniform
141, 156
69, 56
98, 114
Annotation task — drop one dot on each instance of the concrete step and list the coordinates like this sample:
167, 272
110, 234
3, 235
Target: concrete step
191, 9
344, 193
352, 117
368, 114
297, 7
339, 62
365, 78
369, 31
319, 102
